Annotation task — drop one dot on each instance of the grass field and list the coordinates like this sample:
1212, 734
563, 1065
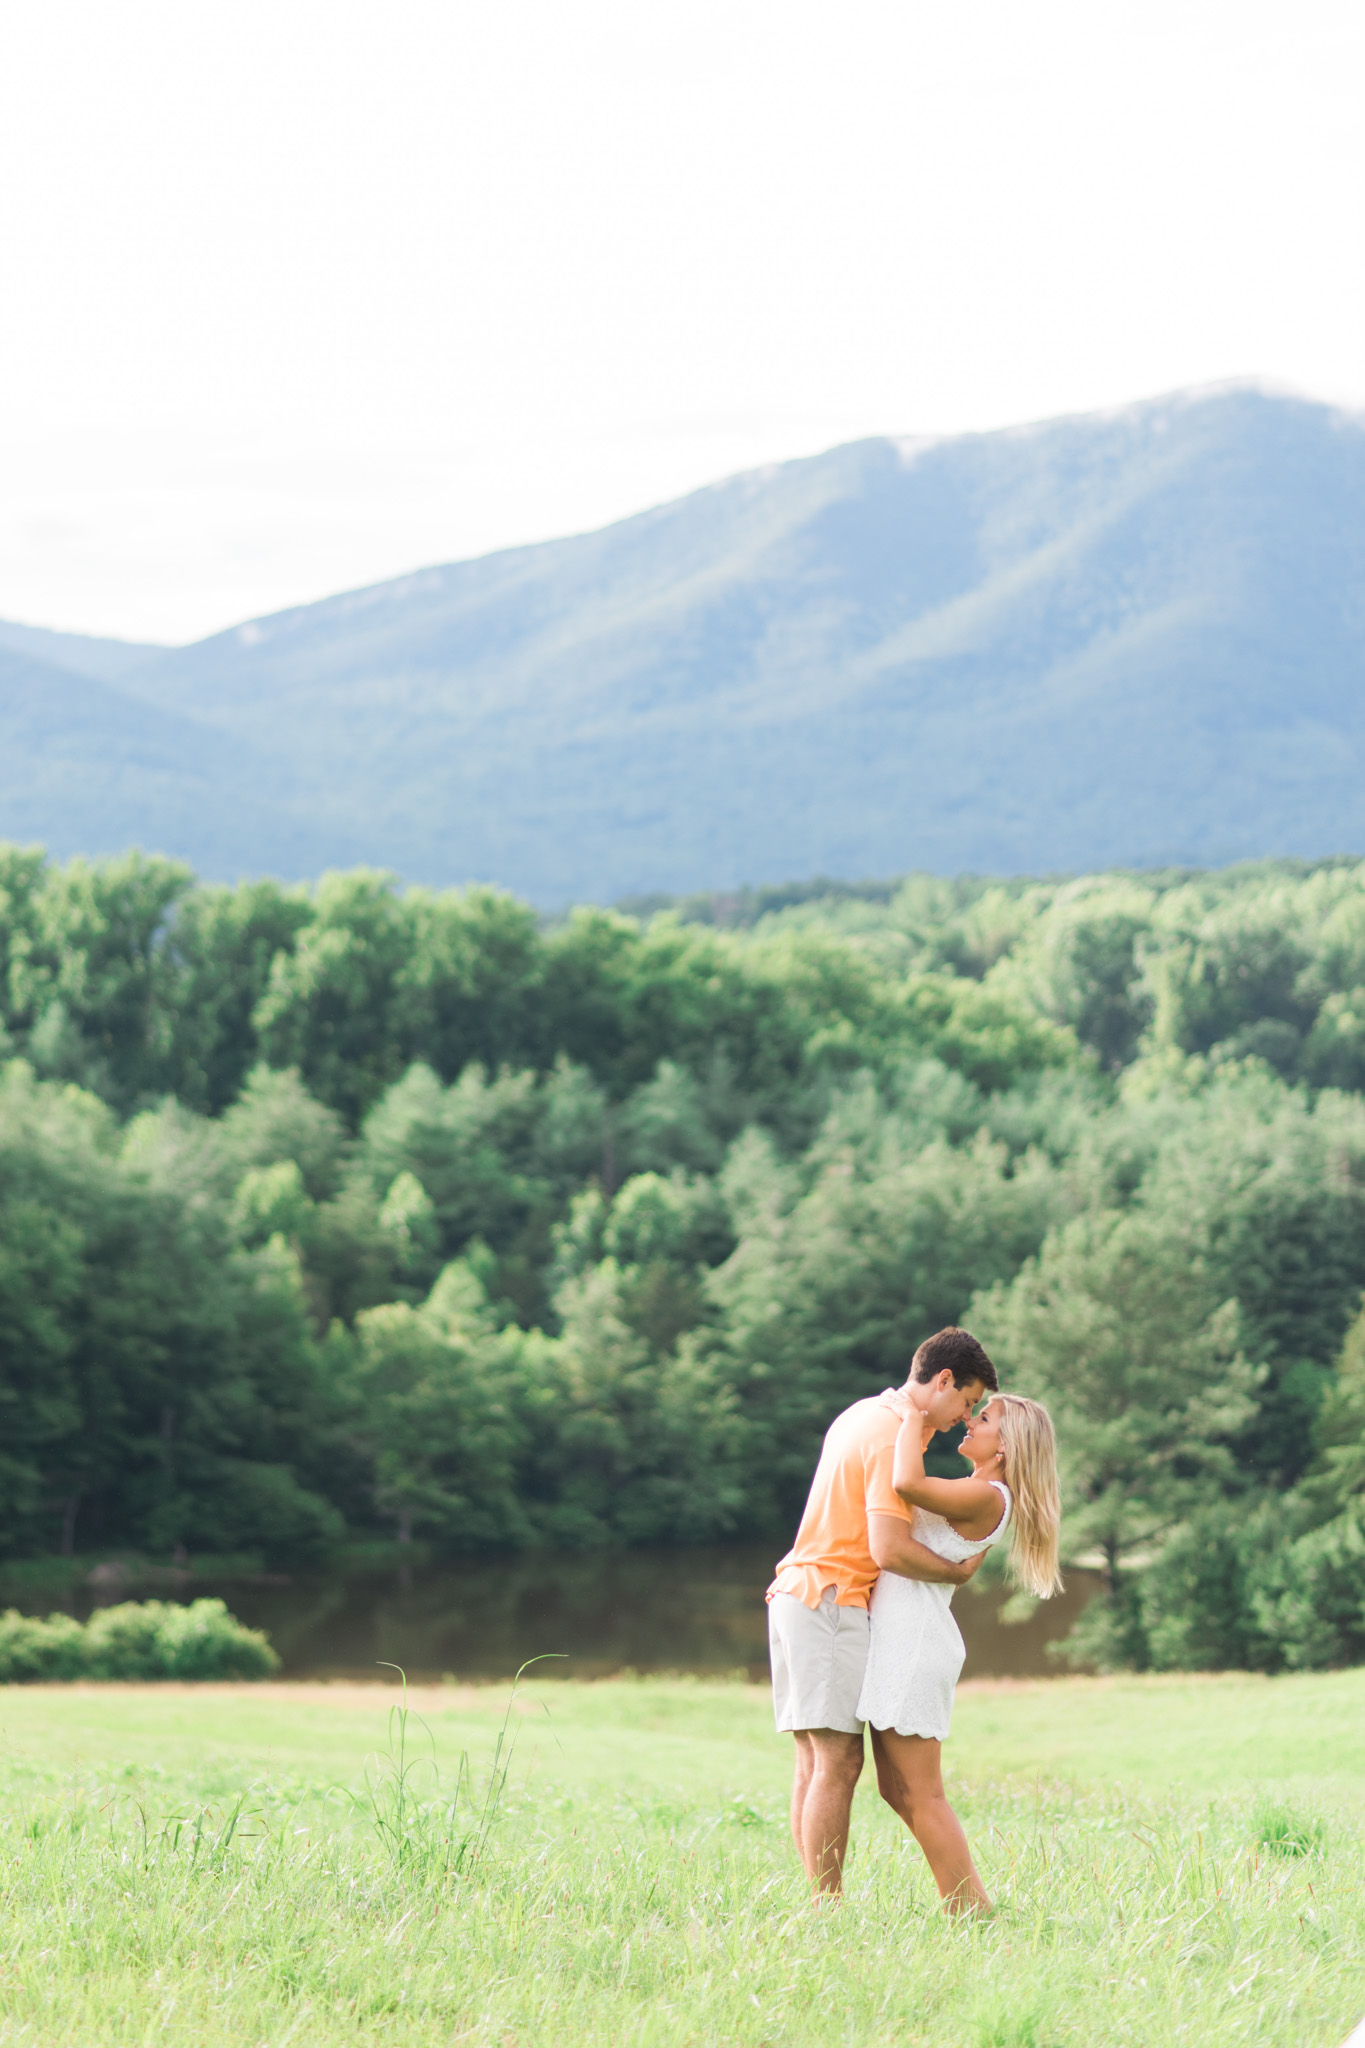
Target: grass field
1174, 1860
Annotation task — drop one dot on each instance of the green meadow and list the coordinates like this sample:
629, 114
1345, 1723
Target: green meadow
1173, 1860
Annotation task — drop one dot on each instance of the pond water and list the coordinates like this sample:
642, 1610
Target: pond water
655, 1610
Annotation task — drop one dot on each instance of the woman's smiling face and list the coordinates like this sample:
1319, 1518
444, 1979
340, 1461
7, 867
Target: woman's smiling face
981, 1442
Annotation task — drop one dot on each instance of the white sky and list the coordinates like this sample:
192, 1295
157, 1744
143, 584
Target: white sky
298, 294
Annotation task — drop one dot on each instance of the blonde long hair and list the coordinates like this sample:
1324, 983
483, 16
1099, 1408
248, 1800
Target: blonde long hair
1029, 1443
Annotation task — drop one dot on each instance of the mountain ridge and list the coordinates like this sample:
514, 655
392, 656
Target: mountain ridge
82, 654
1122, 639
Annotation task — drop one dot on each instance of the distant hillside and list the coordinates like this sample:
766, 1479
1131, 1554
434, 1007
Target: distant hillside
82, 653
85, 768
1125, 639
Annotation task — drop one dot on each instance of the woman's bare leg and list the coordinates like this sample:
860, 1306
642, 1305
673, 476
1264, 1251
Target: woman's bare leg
910, 1780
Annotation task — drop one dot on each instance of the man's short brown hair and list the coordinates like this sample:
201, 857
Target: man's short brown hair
958, 1352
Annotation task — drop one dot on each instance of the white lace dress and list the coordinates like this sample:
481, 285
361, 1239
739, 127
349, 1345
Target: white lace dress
915, 1647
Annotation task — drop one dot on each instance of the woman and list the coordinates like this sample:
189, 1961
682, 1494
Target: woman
915, 1651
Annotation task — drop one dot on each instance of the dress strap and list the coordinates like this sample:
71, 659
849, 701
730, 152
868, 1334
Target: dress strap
1001, 1488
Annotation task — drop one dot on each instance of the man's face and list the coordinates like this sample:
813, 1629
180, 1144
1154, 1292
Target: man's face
949, 1405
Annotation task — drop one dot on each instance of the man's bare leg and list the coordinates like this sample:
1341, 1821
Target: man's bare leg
827, 1766
801, 1777
910, 1780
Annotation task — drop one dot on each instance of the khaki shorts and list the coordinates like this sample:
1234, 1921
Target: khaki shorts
818, 1656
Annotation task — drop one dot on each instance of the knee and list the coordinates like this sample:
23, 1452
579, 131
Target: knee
897, 1795
914, 1803
838, 1768
918, 1809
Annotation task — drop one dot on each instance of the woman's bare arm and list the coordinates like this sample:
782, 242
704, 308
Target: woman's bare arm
972, 1506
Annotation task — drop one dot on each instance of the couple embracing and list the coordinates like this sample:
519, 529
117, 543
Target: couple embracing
860, 1618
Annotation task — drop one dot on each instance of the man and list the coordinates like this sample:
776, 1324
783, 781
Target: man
854, 1526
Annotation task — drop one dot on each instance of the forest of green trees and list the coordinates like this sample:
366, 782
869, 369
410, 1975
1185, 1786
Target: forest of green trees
348, 1209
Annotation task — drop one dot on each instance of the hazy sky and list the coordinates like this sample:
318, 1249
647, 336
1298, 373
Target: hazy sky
301, 294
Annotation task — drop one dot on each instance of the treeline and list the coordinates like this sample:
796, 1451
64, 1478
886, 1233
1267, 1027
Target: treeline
340, 1209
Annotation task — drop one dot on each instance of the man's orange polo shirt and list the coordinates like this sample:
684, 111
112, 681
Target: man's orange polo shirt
852, 1481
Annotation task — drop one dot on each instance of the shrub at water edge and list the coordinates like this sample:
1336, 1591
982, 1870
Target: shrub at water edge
146, 1639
